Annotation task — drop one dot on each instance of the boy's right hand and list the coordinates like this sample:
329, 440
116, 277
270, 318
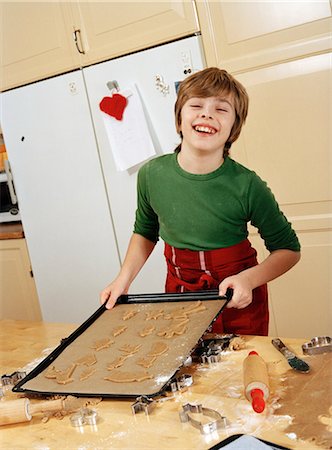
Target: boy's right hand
111, 293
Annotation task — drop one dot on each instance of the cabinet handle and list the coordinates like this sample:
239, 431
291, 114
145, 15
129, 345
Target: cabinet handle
78, 41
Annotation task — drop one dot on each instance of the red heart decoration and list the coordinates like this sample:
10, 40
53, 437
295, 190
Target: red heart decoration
114, 106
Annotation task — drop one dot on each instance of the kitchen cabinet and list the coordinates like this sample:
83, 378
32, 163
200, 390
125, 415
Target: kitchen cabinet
281, 52
36, 41
286, 141
243, 35
18, 295
111, 29
38, 38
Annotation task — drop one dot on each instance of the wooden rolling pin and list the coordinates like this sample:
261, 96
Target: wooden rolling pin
256, 381
22, 410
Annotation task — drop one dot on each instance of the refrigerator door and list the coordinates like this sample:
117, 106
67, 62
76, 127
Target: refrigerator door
59, 182
155, 73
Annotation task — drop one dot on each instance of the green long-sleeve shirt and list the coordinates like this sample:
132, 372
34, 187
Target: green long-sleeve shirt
210, 211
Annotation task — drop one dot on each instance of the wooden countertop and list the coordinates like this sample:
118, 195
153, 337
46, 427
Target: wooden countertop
218, 386
11, 230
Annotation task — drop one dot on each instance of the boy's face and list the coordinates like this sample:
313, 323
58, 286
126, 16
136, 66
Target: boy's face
206, 123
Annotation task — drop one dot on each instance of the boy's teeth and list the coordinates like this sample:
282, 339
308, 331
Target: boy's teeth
205, 129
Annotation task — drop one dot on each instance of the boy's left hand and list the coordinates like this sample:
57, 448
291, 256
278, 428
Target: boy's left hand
242, 290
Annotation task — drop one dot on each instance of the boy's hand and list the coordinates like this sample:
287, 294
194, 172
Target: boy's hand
242, 290
111, 293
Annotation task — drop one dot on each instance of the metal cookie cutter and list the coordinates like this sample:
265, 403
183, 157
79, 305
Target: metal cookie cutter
317, 345
143, 403
205, 428
211, 358
180, 382
13, 379
210, 349
85, 416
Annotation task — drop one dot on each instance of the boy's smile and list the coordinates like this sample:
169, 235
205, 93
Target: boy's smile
206, 123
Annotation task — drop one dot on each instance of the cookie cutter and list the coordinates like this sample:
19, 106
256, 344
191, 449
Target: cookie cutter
211, 358
85, 416
143, 403
180, 382
207, 427
13, 379
210, 349
317, 345
77, 420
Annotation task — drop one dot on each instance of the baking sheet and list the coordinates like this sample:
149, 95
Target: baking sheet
102, 325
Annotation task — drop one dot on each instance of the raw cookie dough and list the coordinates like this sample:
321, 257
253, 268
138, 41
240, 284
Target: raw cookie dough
87, 373
129, 314
175, 328
146, 362
51, 372
147, 330
87, 360
118, 362
154, 315
158, 348
64, 377
185, 310
119, 330
130, 349
237, 343
102, 343
127, 377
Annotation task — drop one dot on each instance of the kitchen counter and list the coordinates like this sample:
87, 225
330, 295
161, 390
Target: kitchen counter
11, 230
218, 386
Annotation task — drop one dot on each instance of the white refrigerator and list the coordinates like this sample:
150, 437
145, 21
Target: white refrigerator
77, 206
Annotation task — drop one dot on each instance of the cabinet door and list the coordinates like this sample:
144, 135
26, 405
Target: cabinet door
286, 139
111, 29
242, 35
18, 295
36, 41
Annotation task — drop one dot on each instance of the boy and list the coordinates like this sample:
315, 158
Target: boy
199, 201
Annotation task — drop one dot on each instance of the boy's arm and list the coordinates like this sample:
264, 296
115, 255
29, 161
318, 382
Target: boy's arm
139, 249
276, 264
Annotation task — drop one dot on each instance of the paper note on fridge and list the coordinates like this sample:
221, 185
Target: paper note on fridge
129, 138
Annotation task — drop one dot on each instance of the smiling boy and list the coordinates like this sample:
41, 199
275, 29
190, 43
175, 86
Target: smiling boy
199, 201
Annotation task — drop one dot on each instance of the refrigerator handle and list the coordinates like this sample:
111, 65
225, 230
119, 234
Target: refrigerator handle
10, 182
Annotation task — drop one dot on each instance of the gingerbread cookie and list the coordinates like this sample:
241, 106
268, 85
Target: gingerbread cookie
119, 330
117, 376
147, 330
102, 343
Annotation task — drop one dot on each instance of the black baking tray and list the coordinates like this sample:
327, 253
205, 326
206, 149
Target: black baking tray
35, 382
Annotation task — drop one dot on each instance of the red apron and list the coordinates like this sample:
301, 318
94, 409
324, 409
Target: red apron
189, 270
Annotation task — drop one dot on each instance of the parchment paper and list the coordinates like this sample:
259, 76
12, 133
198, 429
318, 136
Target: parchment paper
162, 370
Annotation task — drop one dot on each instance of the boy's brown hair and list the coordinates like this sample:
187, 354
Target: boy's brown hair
214, 82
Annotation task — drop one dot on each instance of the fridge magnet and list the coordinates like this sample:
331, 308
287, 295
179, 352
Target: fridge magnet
114, 106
